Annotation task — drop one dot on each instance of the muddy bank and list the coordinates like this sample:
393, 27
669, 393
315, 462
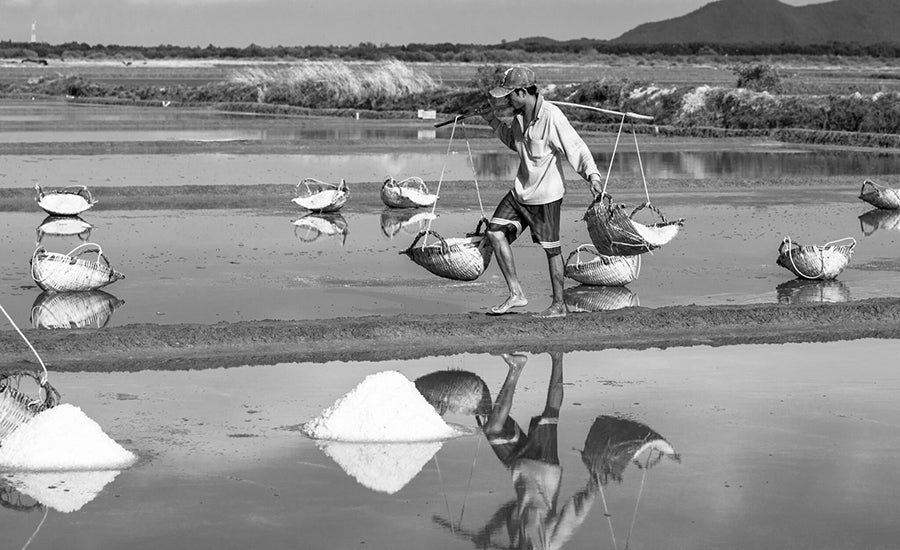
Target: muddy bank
383, 338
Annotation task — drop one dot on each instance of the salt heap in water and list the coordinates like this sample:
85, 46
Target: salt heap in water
62, 438
386, 406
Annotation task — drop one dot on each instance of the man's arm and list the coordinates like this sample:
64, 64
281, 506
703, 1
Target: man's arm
577, 153
500, 128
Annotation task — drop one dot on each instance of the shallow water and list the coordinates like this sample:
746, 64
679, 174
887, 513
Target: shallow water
230, 265
780, 446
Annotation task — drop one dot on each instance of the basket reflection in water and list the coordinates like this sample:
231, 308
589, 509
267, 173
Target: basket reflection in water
878, 218
409, 221
614, 442
67, 272
455, 391
815, 262
92, 308
64, 226
588, 298
312, 226
806, 291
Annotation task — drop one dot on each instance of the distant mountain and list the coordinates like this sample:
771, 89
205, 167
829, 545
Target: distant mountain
770, 21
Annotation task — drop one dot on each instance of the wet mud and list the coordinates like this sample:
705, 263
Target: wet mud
385, 338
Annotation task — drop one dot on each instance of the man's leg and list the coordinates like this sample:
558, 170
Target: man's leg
503, 404
503, 252
557, 269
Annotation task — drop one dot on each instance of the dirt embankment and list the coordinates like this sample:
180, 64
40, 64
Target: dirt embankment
147, 346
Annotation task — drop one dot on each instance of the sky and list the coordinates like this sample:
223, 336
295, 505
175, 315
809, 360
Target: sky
240, 23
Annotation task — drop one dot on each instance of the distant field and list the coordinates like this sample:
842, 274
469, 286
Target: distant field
799, 76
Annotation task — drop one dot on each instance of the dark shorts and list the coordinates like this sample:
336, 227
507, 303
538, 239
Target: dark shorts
539, 444
513, 217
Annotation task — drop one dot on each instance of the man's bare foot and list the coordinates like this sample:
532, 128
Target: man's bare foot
555, 310
515, 360
511, 302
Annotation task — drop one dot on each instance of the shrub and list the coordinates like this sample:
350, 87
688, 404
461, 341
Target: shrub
759, 77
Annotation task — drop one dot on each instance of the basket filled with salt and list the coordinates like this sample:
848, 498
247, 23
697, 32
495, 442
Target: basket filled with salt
616, 233
68, 272
408, 193
68, 201
460, 258
319, 196
880, 196
600, 269
815, 262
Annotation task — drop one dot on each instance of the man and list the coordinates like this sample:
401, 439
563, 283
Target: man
535, 520
542, 136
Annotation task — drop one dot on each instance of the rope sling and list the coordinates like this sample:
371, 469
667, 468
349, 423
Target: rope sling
460, 258
16, 405
615, 233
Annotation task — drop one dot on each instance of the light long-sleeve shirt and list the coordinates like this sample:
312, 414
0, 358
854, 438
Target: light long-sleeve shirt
542, 146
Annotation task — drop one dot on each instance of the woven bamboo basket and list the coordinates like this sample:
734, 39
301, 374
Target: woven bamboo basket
455, 391
64, 310
312, 226
613, 443
64, 226
807, 291
615, 233
815, 262
320, 196
879, 218
460, 259
588, 298
68, 201
67, 272
409, 193
17, 406
880, 196
600, 269
393, 221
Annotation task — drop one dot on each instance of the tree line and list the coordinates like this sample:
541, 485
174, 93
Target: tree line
535, 48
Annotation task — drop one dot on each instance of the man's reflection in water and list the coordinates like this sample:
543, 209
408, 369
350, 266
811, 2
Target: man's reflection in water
534, 520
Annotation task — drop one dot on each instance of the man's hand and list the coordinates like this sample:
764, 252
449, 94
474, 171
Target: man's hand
487, 112
596, 184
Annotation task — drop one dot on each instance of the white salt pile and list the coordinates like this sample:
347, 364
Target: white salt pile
63, 491
383, 467
62, 438
386, 406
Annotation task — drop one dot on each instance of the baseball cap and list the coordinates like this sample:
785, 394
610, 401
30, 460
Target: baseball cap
514, 78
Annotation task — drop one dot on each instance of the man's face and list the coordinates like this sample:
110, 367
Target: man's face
516, 99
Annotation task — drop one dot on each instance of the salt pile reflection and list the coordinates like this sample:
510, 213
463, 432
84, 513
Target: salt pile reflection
66, 310
64, 492
382, 467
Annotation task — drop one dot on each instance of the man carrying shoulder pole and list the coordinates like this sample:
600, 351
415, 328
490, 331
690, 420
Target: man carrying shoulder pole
542, 136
